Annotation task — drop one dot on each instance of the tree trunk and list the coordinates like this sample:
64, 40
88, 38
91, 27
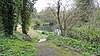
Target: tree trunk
24, 22
58, 17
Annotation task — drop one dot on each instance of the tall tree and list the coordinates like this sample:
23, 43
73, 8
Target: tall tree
24, 18
1, 29
86, 6
26, 13
88, 19
18, 6
65, 18
7, 8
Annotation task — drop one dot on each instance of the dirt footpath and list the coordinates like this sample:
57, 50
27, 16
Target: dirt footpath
48, 49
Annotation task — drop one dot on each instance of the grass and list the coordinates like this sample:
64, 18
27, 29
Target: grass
80, 46
16, 46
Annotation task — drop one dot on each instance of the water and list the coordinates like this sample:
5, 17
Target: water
45, 27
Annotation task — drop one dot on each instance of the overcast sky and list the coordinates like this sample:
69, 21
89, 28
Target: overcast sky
41, 4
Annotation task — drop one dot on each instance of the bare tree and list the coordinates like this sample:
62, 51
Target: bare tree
63, 16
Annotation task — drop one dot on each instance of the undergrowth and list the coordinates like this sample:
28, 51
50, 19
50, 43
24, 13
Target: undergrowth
84, 48
16, 46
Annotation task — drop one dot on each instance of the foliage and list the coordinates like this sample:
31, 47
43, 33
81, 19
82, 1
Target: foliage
36, 39
16, 46
18, 7
84, 33
79, 45
1, 28
7, 16
86, 6
11, 12
27, 10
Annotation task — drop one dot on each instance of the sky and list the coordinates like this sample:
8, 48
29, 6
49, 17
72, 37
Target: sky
42, 4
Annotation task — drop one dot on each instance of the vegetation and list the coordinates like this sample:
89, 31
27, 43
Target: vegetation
80, 22
12, 43
79, 46
26, 13
15, 45
74, 26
